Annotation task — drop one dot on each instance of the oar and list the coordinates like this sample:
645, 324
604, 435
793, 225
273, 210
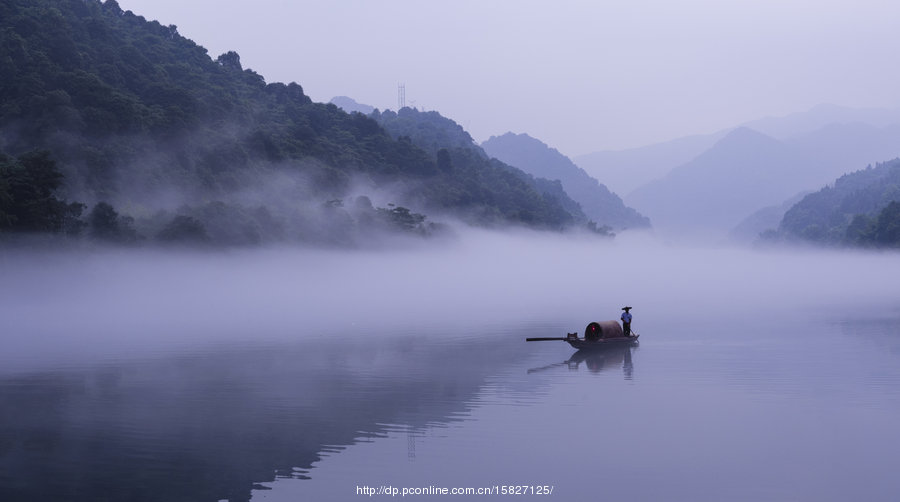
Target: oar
545, 338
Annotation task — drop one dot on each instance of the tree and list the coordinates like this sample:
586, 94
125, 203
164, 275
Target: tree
184, 230
444, 162
401, 218
859, 231
230, 60
887, 226
6, 218
124, 102
27, 196
604, 230
107, 225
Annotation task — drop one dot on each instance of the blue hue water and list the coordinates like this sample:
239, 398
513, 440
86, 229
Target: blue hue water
714, 413
759, 376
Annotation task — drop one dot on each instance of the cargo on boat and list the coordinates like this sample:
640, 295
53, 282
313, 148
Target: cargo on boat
597, 335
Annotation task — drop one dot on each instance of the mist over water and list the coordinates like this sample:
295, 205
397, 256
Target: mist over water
57, 304
290, 307
204, 374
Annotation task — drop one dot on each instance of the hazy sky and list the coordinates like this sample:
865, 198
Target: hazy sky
579, 75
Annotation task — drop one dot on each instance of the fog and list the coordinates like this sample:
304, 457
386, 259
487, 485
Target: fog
140, 372
594, 75
77, 307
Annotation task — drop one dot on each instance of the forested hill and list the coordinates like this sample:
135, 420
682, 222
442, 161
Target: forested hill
538, 159
136, 116
860, 209
514, 194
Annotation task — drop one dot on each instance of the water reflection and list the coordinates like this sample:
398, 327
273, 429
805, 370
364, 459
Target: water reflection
885, 333
211, 425
596, 361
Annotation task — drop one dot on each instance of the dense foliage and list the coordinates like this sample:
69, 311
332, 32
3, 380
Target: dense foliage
428, 130
28, 197
493, 191
861, 209
142, 119
105, 89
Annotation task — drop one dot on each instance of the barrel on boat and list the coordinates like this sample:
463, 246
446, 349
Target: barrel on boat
603, 329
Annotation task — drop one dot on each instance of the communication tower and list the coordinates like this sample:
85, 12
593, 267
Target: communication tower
401, 96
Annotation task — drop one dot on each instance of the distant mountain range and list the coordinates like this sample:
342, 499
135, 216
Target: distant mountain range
623, 171
763, 220
103, 112
742, 172
538, 159
818, 117
549, 171
745, 171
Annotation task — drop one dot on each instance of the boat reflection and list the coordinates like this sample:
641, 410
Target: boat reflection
597, 360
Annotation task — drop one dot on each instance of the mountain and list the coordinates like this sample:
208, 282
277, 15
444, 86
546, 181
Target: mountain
830, 151
625, 170
180, 145
747, 171
430, 130
741, 173
516, 194
840, 148
860, 208
765, 219
350, 105
538, 159
822, 116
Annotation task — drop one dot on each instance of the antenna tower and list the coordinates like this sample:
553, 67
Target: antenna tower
401, 96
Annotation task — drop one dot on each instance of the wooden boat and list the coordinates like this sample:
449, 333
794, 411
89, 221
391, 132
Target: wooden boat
597, 335
618, 341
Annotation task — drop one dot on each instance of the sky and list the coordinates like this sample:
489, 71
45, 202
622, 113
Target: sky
581, 76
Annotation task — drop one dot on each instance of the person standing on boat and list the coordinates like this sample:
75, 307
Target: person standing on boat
626, 320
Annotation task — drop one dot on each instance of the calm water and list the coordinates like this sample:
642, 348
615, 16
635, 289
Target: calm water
745, 386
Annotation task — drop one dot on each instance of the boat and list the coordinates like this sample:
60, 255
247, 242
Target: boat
597, 335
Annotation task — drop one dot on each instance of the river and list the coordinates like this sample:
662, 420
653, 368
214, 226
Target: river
284, 375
